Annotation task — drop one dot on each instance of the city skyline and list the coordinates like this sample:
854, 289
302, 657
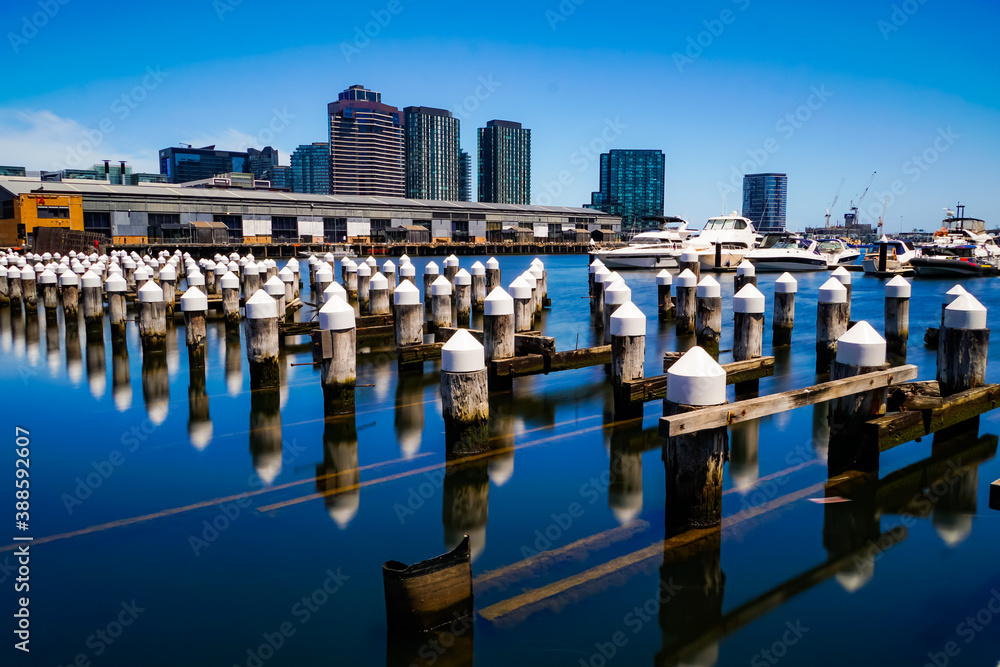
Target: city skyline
865, 94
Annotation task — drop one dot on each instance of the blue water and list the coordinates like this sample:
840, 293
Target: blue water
161, 518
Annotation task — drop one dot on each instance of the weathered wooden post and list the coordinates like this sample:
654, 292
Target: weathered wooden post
498, 332
844, 276
408, 273
628, 350
152, 316
378, 295
168, 283
746, 274
208, 270
478, 286
128, 265
784, 310
69, 285
520, 291
338, 350
533, 284
28, 288
4, 288
93, 300
276, 290
350, 279
229, 283
287, 277
220, 269
543, 279
687, 304
450, 268
324, 276
832, 316
689, 260
441, 302
492, 274
597, 299
708, 317
262, 340
592, 269
409, 315
464, 394
311, 266
860, 350
389, 271
693, 463
364, 274
50, 291
664, 303
538, 273
962, 346
748, 339
293, 265
116, 287
431, 273
194, 305
463, 297
272, 268
14, 285
616, 295
897, 319
950, 296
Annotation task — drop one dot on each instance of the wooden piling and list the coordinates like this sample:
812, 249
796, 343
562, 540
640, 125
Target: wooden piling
746, 274
338, 351
628, 350
168, 283
451, 268
69, 286
860, 350
93, 300
229, 283
364, 274
708, 316
194, 305
832, 316
748, 337
478, 287
441, 302
152, 316
492, 274
592, 269
538, 273
293, 265
4, 288
324, 276
378, 295
664, 303
389, 271
262, 340
784, 310
597, 299
962, 346
498, 332
431, 273
844, 276
29, 290
287, 277
897, 319
276, 290
950, 296
116, 287
520, 291
49, 283
14, 285
408, 273
687, 305
690, 261
616, 294
529, 278
464, 394
350, 270
409, 315
463, 297
129, 266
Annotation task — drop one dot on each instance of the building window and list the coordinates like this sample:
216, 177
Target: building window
6, 209
335, 230
98, 222
284, 228
53, 213
234, 223
378, 230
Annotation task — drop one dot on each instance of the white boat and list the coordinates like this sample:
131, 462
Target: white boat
649, 250
837, 252
895, 260
723, 242
958, 232
789, 253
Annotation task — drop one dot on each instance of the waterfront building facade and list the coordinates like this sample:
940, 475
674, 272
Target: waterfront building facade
181, 165
632, 185
433, 154
311, 168
764, 199
366, 145
504, 163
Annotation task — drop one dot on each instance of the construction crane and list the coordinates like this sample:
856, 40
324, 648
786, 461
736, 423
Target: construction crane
881, 217
854, 209
834, 202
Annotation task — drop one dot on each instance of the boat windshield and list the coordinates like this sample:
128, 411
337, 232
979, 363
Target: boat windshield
648, 238
717, 224
792, 244
830, 246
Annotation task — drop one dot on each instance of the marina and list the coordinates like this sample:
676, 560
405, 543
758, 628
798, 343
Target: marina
392, 462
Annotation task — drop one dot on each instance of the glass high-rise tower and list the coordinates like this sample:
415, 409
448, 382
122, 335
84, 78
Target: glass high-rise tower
433, 155
504, 163
632, 184
464, 177
311, 168
764, 200
366, 145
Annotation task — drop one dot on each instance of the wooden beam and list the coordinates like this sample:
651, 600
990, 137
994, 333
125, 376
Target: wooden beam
369, 333
925, 413
755, 408
533, 343
536, 364
411, 354
655, 388
444, 334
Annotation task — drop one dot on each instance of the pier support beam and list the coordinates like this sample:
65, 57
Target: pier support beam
464, 394
338, 351
708, 318
687, 305
262, 340
897, 319
628, 350
832, 315
784, 310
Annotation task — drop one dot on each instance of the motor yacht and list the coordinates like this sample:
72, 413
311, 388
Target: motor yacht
837, 252
889, 257
723, 242
655, 249
788, 253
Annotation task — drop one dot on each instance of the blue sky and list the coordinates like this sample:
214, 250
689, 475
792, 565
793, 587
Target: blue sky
825, 92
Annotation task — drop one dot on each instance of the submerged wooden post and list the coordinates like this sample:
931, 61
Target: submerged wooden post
229, 283
861, 350
897, 319
664, 304
431, 273
152, 316
748, 337
520, 291
429, 594
464, 394
784, 310
93, 300
440, 303
746, 274
478, 287
687, 305
463, 297
194, 305
690, 261
409, 315
49, 282
708, 317
693, 463
116, 287
832, 316
628, 350
963, 346
276, 290
69, 285
262, 340
616, 294
492, 274
498, 332
338, 346
844, 276
364, 274
378, 295
29, 290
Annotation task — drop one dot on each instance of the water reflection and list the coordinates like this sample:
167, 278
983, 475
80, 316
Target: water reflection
156, 386
97, 372
17, 331
466, 495
338, 476
32, 333
6, 332
234, 364
744, 467
74, 363
409, 414
51, 343
265, 433
625, 488
502, 440
121, 382
199, 422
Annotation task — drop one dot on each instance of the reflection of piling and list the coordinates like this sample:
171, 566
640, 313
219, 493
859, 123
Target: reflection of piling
465, 504
746, 274
463, 297
155, 386
963, 346
860, 350
744, 467
784, 310
708, 315
152, 316
265, 432
625, 472
520, 291
687, 305
498, 332
116, 287
832, 314
694, 462
338, 478
628, 349
194, 304
199, 425
408, 416
338, 345
664, 304
478, 287
262, 340
93, 300
464, 393
121, 380
493, 279
748, 336
440, 303
897, 319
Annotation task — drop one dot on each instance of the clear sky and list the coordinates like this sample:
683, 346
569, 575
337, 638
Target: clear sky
826, 92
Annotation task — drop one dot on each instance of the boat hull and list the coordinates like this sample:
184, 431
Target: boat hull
929, 267
637, 261
870, 266
728, 261
790, 264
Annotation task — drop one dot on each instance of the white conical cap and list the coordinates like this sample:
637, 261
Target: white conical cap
334, 289
628, 320
274, 286
842, 274
329, 257
388, 267
371, 262
686, 278
861, 346
625, 505
709, 288
689, 256
250, 269
498, 302
536, 271
406, 294
67, 279
501, 469
324, 273
441, 287
462, 354
364, 271
142, 273
115, 283
786, 284
292, 264
234, 267
463, 277
14, 272
150, 292
965, 312
28, 273
47, 277
492, 263
617, 293
897, 288
600, 274
954, 292
696, 379
451, 260
530, 279
404, 259
195, 279
336, 315
748, 300
168, 272
407, 270
261, 306
194, 300
519, 289
229, 280
431, 269
884, 239
286, 275
746, 268
379, 282
664, 278
832, 291
478, 269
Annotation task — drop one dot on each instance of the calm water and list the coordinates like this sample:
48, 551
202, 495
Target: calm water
191, 509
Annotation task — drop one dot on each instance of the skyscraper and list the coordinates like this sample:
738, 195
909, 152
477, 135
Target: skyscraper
764, 199
279, 176
366, 145
464, 176
632, 183
504, 163
181, 165
311, 168
261, 161
432, 154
